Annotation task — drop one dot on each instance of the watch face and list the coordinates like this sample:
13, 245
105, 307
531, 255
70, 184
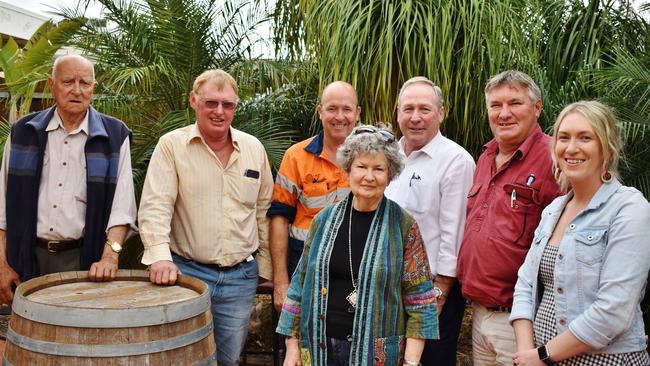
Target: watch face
437, 292
116, 247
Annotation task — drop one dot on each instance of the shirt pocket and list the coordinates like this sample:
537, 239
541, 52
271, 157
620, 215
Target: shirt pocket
590, 246
419, 198
521, 211
390, 350
249, 189
317, 192
472, 195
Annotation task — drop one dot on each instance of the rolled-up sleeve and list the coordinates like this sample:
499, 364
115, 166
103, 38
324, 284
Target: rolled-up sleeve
623, 275
522, 303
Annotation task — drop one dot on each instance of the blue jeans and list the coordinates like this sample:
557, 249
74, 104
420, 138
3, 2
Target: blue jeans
232, 292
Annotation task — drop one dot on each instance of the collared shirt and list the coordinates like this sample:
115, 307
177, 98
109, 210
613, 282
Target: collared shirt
600, 270
194, 206
62, 191
307, 181
503, 209
433, 188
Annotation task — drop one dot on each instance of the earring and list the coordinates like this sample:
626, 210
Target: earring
606, 177
556, 173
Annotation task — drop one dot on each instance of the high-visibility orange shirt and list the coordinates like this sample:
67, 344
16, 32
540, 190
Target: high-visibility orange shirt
308, 180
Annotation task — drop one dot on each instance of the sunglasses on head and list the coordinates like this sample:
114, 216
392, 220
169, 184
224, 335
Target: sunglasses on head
383, 134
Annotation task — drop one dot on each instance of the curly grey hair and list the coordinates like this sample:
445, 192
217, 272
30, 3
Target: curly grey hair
374, 143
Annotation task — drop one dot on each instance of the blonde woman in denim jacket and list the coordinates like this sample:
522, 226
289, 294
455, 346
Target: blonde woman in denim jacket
577, 299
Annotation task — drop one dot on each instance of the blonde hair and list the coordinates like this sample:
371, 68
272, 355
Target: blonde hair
605, 126
217, 76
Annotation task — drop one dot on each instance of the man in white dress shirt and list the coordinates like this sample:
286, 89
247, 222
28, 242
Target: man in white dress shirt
433, 188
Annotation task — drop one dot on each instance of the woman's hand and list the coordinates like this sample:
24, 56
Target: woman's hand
528, 357
292, 356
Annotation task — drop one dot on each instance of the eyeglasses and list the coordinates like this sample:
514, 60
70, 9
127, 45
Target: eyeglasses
225, 104
383, 134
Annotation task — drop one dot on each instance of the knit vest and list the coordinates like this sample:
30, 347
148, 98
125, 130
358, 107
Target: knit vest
28, 140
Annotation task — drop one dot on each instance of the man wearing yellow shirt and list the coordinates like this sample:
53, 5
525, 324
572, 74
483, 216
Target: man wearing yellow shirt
203, 210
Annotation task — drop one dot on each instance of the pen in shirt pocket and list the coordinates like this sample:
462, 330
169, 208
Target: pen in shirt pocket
413, 177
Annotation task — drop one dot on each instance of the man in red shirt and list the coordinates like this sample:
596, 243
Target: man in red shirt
513, 182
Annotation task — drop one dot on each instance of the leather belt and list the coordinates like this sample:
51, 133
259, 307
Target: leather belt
250, 258
55, 246
500, 309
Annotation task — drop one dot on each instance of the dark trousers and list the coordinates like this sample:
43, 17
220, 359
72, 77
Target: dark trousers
292, 261
442, 352
338, 352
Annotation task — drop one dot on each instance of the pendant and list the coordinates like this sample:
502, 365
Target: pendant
352, 298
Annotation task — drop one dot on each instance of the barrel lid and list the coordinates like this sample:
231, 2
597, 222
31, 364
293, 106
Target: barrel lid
71, 299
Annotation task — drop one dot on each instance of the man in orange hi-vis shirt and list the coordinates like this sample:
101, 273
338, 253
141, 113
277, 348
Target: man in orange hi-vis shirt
308, 180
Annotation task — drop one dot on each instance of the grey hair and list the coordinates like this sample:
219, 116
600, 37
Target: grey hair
514, 78
372, 143
60, 59
421, 80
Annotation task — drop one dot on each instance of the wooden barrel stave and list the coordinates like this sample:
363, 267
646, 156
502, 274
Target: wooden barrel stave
195, 331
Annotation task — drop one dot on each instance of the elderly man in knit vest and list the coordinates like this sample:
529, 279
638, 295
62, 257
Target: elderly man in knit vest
67, 199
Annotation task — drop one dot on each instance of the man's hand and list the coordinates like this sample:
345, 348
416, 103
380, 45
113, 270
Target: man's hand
292, 356
444, 283
105, 269
163, 272
279, 294
8, 277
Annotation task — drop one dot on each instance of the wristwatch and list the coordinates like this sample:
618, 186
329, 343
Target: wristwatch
438, 292
115, 246
544, 356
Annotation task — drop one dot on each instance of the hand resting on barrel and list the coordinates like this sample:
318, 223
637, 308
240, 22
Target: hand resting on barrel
163, 272
8, 276
105, 269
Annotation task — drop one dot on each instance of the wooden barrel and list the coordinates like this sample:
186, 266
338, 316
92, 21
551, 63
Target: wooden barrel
64, 319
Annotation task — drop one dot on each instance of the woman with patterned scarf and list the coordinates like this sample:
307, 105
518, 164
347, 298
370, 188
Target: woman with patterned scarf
362, 293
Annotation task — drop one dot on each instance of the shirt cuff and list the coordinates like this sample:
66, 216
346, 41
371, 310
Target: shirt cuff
155, 253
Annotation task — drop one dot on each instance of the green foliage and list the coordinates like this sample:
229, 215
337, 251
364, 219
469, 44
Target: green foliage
25, 68
377, 45
626, 80
148, 54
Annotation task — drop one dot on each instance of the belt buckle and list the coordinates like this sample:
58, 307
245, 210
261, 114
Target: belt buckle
50, 244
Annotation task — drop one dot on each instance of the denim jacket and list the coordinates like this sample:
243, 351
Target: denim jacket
600, 270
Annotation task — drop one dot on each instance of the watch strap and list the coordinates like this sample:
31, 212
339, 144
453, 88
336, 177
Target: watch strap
542, 352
